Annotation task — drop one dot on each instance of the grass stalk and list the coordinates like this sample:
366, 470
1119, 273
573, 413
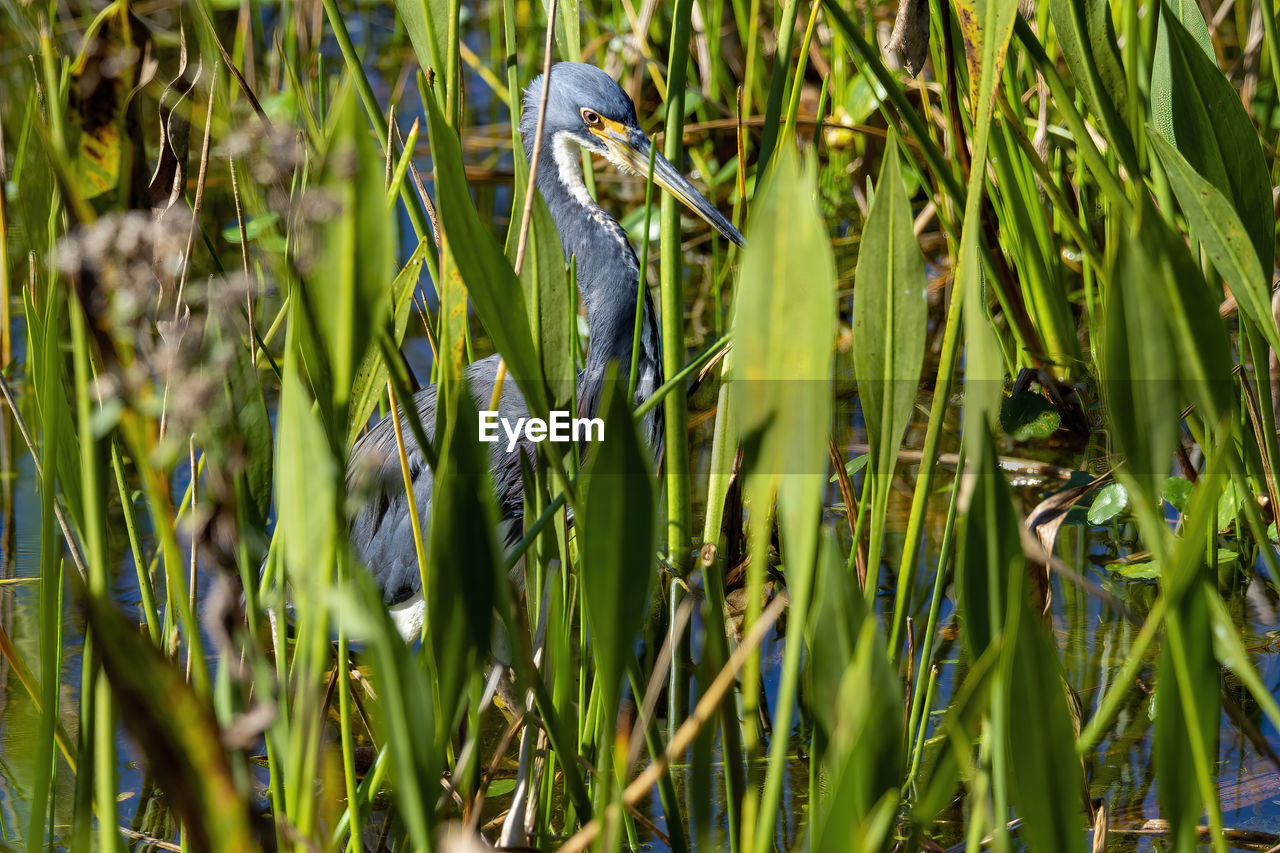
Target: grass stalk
777, 82
920, 702
928, 465
675, 412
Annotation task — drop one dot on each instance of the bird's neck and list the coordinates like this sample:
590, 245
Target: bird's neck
607, 274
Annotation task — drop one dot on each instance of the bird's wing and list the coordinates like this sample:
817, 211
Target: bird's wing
381, 531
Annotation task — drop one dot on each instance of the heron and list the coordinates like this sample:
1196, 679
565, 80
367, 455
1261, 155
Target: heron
585, 108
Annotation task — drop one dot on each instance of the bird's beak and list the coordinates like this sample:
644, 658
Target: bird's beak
630, 149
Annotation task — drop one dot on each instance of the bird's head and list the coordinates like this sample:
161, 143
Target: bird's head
586, 106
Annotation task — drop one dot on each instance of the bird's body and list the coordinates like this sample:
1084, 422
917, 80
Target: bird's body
585, 108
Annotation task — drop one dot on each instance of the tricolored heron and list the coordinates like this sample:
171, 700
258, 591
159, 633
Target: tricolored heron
584, 107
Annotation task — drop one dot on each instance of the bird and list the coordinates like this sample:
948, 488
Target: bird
587, 109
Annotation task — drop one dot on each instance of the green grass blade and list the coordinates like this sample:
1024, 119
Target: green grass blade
371, 375
1087, 39
495, 292
1140, 370
853, 688
1214, 222
1195, 108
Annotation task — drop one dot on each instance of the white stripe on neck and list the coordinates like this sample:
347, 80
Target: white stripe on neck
570, 169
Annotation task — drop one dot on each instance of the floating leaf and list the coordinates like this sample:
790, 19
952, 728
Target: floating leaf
1112, 500
1027, 415
1139, 570
462, 583
1177, 491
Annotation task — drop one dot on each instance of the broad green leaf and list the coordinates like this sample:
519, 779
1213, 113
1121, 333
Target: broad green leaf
1158, 299
255, 227
1177, 491
371, 377
464, 557
1187, 680
495, 292
404, 718
990, 550
1228, 506
346, 292
1139, 371
1213, 220
1179, 722
780, 397
253, 423
1033, 246
853, 466
1088, 43
618, 535
890, 313
305, 478
785, 336
1112, 500
855, 695
1046, 776
1176, 287
1191, 15
1194, 107
985, 26
45, 326
568, 30
1027, 415
426, 22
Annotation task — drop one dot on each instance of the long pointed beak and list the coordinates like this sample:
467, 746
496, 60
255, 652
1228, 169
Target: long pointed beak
630, 149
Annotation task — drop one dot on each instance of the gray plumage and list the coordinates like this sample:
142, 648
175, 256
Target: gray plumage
582, 106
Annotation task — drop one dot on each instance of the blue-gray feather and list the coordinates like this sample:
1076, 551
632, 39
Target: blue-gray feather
608, 274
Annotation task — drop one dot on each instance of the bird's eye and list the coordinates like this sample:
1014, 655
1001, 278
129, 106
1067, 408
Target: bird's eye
591, 117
